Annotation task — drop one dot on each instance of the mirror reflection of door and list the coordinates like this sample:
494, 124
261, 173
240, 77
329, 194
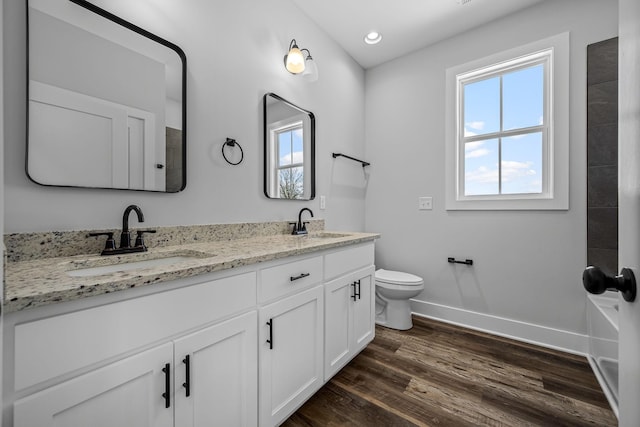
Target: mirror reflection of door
102, 99
289, 150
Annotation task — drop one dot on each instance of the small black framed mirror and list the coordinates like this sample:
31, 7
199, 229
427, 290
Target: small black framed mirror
289, 150
106, 101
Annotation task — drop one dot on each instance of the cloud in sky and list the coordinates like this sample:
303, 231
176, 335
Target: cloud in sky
511, 171
475, 149
298, 157
482, 175
479, 125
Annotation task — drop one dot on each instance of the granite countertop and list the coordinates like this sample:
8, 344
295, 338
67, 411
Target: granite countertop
40, 282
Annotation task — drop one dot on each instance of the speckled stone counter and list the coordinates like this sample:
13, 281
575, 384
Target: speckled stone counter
34, 281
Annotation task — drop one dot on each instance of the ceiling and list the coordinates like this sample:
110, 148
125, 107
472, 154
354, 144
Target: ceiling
405, 25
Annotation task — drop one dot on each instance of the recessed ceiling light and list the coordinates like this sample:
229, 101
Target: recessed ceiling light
373, 37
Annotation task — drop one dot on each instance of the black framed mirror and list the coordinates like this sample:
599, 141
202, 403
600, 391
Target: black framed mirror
106, 101
289, 150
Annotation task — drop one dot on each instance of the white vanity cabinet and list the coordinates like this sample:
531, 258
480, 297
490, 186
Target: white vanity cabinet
291, 338
107, 381
349, 307
125, 393
242, 347
211, 381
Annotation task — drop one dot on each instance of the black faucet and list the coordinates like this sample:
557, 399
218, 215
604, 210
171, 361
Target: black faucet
125, 236
300, 227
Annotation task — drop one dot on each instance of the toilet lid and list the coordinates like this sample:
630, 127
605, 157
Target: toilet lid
398, 278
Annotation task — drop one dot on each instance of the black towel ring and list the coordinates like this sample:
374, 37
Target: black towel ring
232, 143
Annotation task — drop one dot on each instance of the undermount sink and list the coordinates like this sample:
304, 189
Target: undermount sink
324, 235
124, 266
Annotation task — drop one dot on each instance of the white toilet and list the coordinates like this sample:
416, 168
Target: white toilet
393, 291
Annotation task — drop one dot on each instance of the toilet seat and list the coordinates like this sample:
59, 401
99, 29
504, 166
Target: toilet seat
390, 277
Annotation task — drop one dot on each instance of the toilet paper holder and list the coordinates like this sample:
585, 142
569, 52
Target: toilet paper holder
455, 261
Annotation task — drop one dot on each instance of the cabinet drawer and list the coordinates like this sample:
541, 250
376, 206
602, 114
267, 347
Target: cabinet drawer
54, 346
344, 261
288, 278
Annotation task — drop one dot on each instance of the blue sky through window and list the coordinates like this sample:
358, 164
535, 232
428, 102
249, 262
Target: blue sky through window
290, 147
519, 156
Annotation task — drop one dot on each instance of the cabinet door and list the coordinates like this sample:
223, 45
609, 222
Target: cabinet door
222, 384
364, 313
125, 393
291, 354
349, 318
338, 335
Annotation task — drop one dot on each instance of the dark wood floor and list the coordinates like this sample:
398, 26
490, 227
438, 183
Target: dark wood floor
442, 375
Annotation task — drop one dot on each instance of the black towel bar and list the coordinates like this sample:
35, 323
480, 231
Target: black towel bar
351, 158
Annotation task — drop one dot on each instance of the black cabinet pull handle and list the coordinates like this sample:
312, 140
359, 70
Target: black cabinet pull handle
187, 382
302, 276
358, 284
167, 385
355, 293
270, 340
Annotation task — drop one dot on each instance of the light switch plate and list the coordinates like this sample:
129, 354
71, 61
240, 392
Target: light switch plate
425, 203
323, 202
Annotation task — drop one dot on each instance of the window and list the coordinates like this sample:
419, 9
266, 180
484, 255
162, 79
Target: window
290, 161
506, 147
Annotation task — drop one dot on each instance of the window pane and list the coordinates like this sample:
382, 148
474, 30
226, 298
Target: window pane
481, 168
523, 98
298, 146
522, 164
284, 148
482, 107
291, 183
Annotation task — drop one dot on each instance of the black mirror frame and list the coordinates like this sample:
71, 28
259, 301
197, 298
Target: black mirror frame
124, 23
266, 146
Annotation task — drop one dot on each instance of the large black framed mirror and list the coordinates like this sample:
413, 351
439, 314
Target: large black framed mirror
106, 101
289, 150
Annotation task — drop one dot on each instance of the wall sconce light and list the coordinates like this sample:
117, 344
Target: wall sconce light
296, 63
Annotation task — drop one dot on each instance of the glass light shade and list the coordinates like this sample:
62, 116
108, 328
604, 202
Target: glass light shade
311, 70
294, 61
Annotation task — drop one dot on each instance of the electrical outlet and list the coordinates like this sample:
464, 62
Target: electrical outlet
425, 203
323, 202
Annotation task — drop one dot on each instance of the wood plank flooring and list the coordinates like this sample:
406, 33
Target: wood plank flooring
442, 375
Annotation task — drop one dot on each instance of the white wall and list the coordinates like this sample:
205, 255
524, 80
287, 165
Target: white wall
528, 265
234, 55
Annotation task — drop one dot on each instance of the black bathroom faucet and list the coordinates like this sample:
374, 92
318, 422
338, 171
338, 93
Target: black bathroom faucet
125, 236
300, 227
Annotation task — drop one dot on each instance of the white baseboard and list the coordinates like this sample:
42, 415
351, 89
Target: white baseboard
569, 342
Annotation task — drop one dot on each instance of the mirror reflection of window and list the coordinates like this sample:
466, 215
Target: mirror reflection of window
291, 161
289, 150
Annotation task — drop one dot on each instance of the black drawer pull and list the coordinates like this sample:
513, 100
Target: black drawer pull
167, 385
270, 340
187, 382
302, 276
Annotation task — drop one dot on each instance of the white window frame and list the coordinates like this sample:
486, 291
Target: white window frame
555, 168
273, 129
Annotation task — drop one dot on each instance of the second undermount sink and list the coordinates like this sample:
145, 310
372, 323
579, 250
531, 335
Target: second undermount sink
124, 266
325, 235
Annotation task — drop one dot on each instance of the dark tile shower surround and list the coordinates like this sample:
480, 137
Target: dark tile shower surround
602, 155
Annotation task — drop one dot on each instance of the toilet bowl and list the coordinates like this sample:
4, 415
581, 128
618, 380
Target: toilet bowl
393, 291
